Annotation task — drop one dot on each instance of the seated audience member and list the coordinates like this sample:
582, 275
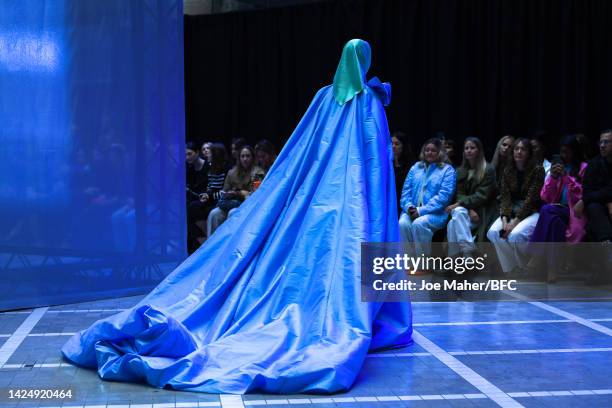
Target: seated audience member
199, 210
197, 173
265, 154
237, 187
502, 156
235, 148
475, 207
451, 152
403, 158
538, 145
205, 152
428, 190
561, 217
597, 191
520, 201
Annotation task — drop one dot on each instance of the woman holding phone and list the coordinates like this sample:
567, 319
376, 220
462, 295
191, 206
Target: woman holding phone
561, 217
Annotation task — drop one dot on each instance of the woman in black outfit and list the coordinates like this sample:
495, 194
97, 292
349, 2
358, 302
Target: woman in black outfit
198, 210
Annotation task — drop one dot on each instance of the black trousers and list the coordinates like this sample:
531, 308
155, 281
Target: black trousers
196, 211
599, 224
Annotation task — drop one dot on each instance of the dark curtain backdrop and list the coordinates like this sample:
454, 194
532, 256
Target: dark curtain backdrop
470, 67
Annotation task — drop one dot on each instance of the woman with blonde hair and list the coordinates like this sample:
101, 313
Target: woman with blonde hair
502, 155
428, 189
475, 207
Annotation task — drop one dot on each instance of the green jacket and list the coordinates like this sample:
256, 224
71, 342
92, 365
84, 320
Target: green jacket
479, 196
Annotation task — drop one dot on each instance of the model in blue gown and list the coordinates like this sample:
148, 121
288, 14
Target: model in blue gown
272, 301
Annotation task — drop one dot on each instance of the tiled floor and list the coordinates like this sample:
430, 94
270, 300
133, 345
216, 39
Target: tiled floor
466, 354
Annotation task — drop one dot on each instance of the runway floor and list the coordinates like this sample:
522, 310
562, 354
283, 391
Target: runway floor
501, 353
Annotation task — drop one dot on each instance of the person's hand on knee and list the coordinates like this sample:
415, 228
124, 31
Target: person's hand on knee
509, 227
413, 213
451, 207
502, 232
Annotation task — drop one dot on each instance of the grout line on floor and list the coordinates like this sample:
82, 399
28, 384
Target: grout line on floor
482, 384
231, 401
492, 322
421, 397
560, 312
9, 347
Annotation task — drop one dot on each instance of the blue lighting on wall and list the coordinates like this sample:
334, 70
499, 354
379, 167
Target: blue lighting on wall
28, 52
91, 148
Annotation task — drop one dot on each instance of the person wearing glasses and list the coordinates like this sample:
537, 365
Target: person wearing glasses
597, 194
597, 200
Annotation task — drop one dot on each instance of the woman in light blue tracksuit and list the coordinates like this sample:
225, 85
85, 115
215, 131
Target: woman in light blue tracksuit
428, 190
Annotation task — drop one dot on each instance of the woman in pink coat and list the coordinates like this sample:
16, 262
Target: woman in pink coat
561, 218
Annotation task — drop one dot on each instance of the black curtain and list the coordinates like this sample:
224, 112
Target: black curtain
465, 67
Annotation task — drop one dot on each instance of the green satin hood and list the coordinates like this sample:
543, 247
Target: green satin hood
352, 69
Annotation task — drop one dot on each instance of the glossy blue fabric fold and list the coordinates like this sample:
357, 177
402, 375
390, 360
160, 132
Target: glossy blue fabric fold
272, 301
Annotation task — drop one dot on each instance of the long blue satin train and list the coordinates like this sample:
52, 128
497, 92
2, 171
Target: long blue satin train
271, 302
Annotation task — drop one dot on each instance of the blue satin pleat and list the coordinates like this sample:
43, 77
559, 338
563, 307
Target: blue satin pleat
272, 301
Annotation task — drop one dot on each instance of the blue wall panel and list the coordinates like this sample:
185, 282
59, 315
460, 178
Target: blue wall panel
91, 148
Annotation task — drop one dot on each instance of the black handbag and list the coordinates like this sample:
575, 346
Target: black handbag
227, 204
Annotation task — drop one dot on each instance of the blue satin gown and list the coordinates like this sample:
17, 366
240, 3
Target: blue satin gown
272, 302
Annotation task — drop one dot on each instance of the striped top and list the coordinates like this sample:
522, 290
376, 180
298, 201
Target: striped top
215, 184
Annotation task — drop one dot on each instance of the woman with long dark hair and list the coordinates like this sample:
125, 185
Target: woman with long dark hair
237, 187
520, 201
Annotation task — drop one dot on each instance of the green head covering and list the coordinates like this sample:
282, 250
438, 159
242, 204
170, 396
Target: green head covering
351, 73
